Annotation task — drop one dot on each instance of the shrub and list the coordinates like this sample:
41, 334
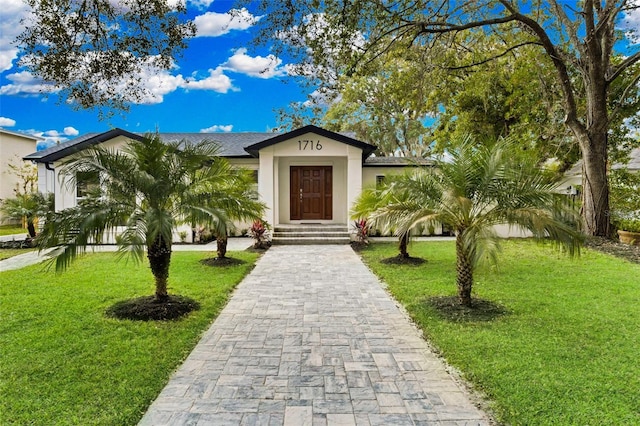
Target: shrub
258, 232
362, 231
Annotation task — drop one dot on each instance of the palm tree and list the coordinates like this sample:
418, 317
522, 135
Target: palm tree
148, 189
477, 188
377, 199
28, 208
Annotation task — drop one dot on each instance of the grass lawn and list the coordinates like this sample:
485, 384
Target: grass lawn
63, 362
7, 253
567, 350
12, 229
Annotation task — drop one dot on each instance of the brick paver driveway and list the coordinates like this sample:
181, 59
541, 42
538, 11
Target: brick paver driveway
310, 337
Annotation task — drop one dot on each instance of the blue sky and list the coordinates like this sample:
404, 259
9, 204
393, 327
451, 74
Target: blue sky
219, 84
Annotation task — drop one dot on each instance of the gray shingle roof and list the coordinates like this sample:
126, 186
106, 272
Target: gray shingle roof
231, 144
398, 161
632, 165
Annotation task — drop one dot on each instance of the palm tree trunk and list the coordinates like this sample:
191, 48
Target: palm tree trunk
31, 229
402, 246
464, 272
221, 242
159, 255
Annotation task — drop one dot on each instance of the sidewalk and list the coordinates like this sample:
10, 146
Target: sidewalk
32, 258
310, 337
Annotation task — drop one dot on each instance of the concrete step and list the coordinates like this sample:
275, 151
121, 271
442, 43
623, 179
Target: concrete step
310, 234
304, 234
310, 240
311, 228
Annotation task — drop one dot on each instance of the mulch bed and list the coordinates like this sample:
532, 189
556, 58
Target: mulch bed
28, 243
449, 308
401, 260
259, 250
222, 261
148, 308
614, 248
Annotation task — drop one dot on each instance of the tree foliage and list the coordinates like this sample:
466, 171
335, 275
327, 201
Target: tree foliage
27, 174
147, 190
478, 188
578, 40
97, 51
388, 106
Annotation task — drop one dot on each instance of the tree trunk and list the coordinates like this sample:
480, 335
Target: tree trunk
402, 246
464, 272
159, 255
593, 140
595, 189
221, 242
31, 229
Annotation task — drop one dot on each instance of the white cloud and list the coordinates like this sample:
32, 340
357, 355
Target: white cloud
257, 66
213, 24
49, 137
24, 83
11, 14
631, 25
201, 4
216, 81
70, 131
218, 128
7, 122
158, 85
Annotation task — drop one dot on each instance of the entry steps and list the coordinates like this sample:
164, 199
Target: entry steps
306, 234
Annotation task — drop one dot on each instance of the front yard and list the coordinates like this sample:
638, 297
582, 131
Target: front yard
12, 229
565, 349
63, 362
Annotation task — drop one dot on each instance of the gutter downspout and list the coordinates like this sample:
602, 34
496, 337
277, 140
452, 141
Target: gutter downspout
47, 165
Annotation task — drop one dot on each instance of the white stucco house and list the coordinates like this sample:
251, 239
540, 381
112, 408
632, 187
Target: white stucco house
309, 176
13, 147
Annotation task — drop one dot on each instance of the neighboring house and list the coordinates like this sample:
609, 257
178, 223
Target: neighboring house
308, 175
13, 147
573, 177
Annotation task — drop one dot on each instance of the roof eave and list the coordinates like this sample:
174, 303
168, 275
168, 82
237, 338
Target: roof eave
102, 137
367, 149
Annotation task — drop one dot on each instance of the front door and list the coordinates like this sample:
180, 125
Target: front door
311, 193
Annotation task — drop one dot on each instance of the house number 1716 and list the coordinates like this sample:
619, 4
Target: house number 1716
305, 145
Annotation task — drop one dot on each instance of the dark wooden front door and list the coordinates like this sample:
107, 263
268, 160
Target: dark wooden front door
311, 193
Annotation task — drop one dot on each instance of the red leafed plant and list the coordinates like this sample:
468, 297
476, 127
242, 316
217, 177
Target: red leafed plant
258, 232
362, 231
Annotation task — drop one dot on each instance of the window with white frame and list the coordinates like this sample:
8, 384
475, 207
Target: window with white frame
86, 183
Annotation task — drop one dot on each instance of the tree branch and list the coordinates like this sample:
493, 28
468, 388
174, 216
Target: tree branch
445, 27
565, 80
627, 89
506, 52
616, 71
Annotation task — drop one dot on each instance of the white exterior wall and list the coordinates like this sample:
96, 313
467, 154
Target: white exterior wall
274, 174
12, 148
65, 191
369, 174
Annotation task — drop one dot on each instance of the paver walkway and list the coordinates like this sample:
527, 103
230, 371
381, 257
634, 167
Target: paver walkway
310, 337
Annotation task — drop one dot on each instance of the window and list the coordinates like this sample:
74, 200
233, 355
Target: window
254, 187
86, 183
379, 181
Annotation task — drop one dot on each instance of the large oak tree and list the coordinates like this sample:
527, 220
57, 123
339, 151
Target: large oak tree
579, 39
97, 52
